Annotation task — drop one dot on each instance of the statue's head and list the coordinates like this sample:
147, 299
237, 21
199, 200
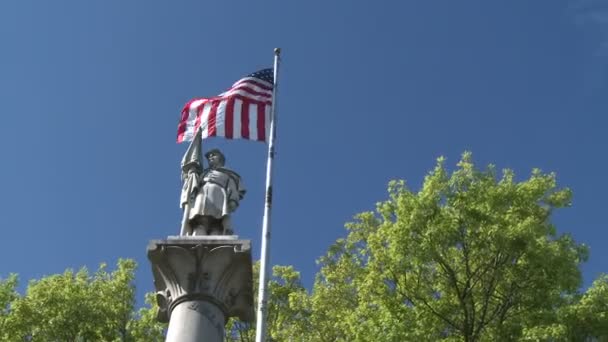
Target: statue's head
215, 158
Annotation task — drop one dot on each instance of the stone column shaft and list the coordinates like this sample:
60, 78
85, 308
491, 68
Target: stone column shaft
195, 321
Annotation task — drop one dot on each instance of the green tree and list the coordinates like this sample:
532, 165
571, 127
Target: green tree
8, 294
287, 311
471, 256
76, 307
143, 325
587, 318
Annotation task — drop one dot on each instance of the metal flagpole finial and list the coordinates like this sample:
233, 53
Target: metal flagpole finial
277, 51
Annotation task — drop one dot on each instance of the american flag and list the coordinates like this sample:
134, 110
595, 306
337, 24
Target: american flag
241, 112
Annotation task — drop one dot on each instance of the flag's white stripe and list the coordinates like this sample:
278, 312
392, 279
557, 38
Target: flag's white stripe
267, 122
220, 116
192, 110
253, 121
252, 79
242, 89
253, 87
205, 119
237, 118
189, 132
220, 119
245, 93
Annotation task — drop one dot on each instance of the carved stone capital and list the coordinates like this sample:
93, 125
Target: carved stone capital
216, 270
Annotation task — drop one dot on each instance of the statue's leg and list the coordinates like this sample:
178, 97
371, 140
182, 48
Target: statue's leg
199, 230
199, 225
227, 225
215, 226
189, 230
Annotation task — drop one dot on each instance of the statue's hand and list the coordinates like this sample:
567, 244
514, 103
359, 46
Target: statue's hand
232, 205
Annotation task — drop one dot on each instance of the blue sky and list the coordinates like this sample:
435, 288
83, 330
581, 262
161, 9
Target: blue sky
370, 91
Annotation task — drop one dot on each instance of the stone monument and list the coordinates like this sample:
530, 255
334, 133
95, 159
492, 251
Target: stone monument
204, 276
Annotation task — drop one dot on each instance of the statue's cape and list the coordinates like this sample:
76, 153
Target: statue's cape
191, 185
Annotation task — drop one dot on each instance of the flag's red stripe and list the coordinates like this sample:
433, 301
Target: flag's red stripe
250, 100
183, 122
261, 123
230, 116
237, 96
181, 127
245, 120
246, 95
211, 122
256, 86
257, 83
229, 125
199, 114
187, 105
248, 90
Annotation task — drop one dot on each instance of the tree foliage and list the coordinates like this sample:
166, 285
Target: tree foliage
471, 256
143, 325
8, 294
76, 306
586, 318
286, 314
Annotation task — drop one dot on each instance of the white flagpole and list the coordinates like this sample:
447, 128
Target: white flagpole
260, 334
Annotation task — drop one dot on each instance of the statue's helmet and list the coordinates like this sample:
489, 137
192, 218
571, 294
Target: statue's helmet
218, 153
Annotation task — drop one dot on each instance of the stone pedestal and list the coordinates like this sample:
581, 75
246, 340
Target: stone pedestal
201, 281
